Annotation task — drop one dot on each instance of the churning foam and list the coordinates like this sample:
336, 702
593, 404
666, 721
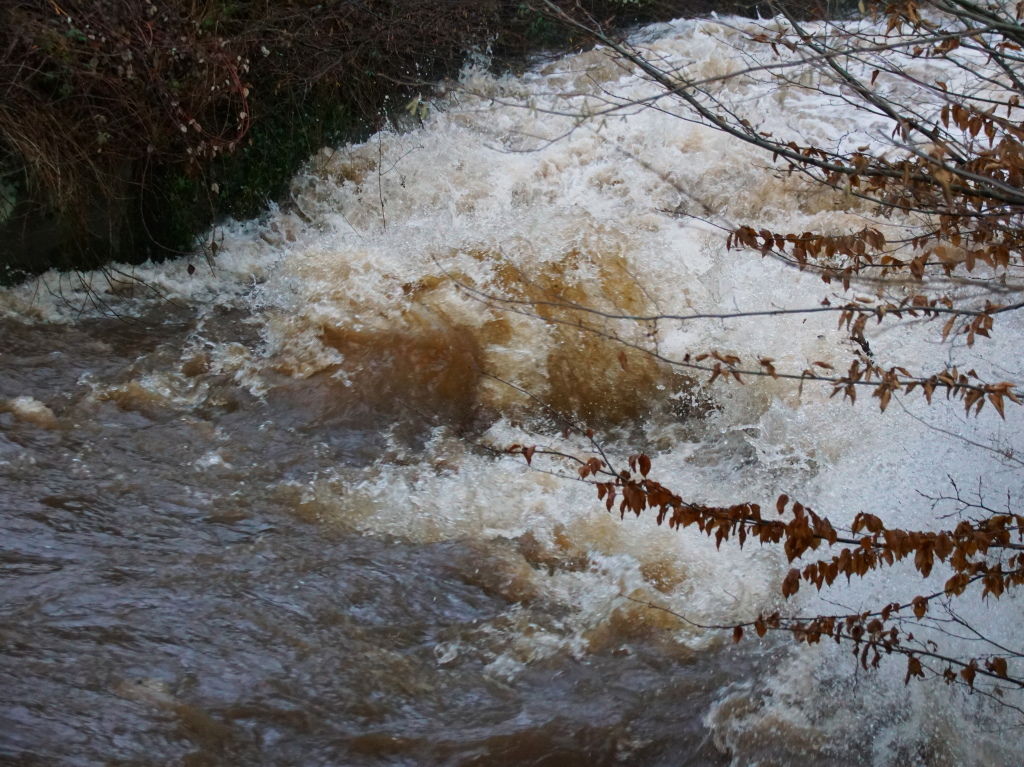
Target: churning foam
371, 280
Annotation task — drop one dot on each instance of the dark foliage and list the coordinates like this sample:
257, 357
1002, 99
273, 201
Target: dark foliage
128, 126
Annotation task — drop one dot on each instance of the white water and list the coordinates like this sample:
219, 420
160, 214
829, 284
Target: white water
494, 190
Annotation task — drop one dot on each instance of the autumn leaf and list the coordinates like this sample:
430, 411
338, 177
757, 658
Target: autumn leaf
914, 668
791, 584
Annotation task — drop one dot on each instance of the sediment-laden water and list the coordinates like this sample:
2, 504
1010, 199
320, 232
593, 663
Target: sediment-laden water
252, 514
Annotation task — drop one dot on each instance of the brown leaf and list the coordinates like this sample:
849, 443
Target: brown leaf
948, 327
997, 403
969, 673
997, 666
920, 607
914, 668
791, 584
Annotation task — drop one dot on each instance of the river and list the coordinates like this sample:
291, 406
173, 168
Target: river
253, 511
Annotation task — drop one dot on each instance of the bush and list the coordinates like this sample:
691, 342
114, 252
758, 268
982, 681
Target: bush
128, 126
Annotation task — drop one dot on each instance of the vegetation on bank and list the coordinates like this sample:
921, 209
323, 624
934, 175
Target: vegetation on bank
128, 126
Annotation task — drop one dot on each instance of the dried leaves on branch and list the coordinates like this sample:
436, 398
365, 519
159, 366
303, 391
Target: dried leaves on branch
983, 556
948, 172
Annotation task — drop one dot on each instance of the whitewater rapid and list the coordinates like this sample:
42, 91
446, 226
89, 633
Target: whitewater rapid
366, 288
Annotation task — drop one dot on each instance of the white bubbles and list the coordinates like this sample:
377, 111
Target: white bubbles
378, 276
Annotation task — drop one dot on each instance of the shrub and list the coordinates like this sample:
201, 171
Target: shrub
127, 126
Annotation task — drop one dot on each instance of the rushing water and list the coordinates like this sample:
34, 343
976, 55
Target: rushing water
254, 519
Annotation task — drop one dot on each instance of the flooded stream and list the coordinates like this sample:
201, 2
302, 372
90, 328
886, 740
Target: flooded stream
256, 509
171, 596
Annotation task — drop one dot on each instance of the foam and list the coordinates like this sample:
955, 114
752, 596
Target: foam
369, 279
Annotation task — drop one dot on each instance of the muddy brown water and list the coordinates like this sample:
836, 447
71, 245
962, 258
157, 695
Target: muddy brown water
161, 608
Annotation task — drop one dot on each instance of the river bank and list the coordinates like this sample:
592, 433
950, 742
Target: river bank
130, 127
